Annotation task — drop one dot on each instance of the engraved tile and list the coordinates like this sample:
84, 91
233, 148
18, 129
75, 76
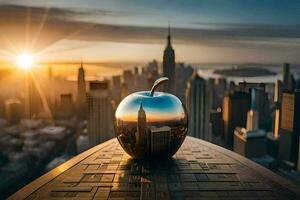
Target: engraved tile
102, 192
197, 171
107, 177
72, 189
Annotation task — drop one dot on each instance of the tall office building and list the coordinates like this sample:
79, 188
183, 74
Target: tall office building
292, 83
289, 127
128, 78
287, 82
151, 72
278, 91
159, 140
218, 89
124, 90
141, 133
141, 80
216, 122
116, 88
250, 143
13, 111
169, 65
232, 86
66, 106
277, 106
136, 76
235, 108
198, 106
260, 103
81, 93
182, 75
252, 120
276, 126
100, 116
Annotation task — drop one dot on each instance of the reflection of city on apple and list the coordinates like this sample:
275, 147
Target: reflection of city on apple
151, 126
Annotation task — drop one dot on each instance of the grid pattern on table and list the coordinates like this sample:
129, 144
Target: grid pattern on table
195, 172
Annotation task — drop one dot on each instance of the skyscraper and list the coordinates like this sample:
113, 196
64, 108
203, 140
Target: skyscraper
159, 140
218, 90
278, 91
289, 127
235, 108
116, 88
124, 90
100, 119
216, 122
260, 103
169, 65
277, 106
286, 76
128, 78
182, 75
198, 105
151, 71
13, 110
66, 107
81, 93
252, 120
141, 127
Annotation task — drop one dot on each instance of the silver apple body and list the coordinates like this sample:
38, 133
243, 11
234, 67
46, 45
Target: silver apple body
151, 124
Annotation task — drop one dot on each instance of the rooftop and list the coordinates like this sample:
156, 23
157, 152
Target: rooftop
199, 170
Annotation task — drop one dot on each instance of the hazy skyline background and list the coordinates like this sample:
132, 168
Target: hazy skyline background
203, 31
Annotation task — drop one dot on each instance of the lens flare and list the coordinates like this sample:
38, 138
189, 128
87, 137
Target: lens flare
25, 61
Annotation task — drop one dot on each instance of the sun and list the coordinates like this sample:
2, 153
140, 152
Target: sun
25, 61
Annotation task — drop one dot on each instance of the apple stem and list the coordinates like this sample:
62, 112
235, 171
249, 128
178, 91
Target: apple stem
157, 83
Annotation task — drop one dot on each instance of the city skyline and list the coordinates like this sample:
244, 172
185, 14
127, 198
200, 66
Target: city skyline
134, 31
151, 107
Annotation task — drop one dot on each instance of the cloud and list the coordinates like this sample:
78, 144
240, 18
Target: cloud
239, 36
37, 12
37, 28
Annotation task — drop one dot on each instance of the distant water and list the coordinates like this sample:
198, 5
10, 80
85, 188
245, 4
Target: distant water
101, 71
207, 71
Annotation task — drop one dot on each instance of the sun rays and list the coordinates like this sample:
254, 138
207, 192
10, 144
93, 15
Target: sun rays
31, 46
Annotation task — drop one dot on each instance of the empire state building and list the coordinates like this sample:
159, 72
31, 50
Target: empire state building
81, 93
141, 126
169, 65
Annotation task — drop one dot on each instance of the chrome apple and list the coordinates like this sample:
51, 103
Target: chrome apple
150, 123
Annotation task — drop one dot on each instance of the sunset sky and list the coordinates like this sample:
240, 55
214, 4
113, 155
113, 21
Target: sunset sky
214, 31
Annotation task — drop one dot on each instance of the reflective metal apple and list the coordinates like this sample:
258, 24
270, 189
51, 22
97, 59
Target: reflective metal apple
151, 124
